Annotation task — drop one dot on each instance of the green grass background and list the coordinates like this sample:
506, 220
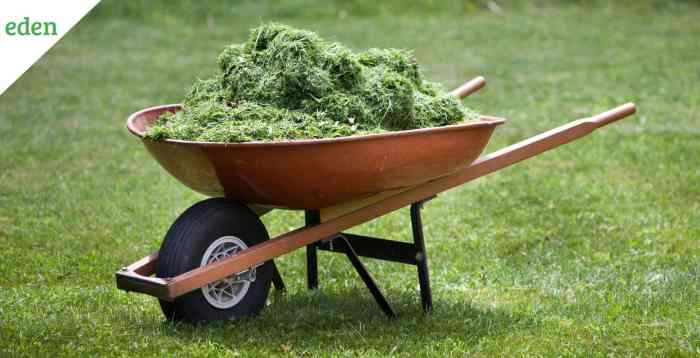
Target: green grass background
591, 249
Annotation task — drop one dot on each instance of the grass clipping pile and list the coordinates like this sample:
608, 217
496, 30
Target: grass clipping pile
286, 84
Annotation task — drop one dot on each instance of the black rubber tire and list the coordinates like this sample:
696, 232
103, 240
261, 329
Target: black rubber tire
185, 244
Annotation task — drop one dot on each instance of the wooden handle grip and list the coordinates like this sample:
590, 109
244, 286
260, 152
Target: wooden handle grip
613, 115
469, 87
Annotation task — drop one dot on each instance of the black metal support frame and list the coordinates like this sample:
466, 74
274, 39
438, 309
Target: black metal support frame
277, 278
356, 246
311, 218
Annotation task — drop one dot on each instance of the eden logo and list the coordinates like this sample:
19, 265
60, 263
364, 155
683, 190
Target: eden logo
30, 28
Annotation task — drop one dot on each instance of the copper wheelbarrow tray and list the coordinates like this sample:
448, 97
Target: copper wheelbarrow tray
317, 173
352, 180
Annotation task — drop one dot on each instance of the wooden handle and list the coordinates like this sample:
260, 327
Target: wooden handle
613, 115
469, 87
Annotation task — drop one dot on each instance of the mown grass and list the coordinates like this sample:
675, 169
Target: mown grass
588, 250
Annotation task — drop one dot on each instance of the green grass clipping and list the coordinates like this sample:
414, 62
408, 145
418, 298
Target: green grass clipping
285, 83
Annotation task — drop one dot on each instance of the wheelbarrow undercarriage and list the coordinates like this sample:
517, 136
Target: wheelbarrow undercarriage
136, 276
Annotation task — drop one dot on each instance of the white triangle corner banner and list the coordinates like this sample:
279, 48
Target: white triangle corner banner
29, 28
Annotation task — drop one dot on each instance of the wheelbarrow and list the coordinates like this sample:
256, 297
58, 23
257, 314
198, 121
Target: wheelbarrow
217, 260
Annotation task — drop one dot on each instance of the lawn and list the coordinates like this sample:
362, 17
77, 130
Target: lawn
592, 249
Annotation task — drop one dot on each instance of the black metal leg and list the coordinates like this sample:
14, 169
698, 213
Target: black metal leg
311, 218
277, 278
367, 278
311, 267
421, 258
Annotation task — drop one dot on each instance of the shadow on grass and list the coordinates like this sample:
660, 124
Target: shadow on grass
351, 320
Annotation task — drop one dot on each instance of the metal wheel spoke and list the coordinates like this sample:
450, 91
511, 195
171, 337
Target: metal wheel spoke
229, 292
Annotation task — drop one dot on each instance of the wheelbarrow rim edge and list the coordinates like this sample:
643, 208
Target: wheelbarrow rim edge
484, 121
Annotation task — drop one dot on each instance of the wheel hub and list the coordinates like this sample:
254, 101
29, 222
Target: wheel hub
229, 291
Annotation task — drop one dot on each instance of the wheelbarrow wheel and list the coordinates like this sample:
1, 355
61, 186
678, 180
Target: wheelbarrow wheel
209, 231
